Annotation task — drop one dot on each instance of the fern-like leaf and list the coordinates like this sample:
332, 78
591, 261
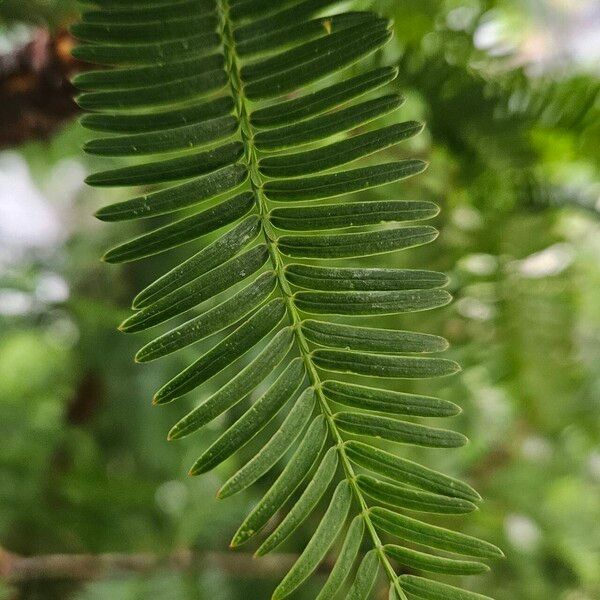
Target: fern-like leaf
240, 111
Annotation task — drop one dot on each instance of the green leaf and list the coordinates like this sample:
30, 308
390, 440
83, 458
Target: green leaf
339, 153
210, 257
186, 137
410, 499
387, 401
432, 536
370, 339
236, 344
424, 589
435, 564
172, 169
182, 231
348, 245
148, 75
299, 32
291, 477
216, 319
303, 54
325, 126
177, 197
298, 109
275, 448
400, 469
351, 49
199, 290
253, 420
154, 31
370, 303
321, 541
344, 182
148, 54
344, 562
383, 365
238, 387
352, 214
398, 431
147, 13
355, 279
147, 122
188, 88
365, 577
305, 505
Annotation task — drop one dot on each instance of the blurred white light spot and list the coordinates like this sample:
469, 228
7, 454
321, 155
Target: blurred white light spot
593, 465
467, 218
522, 532
461, 18
479, 264
535, 448
472, 308
171, 497
52, 288
546, 263
15, 302
62, 332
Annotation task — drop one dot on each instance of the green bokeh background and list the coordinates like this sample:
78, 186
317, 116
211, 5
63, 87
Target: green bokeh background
513, 139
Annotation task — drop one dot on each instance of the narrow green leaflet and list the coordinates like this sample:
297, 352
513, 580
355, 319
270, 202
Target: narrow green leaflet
344, 182
145, 13
159, 30
237, 388
216, 319
115, 122
189, 88
182, 231
349, 245
365, 577
253, 420
425, 589
400, 469
210, 257
350, 51
370, 303
148, 54
383, 365
408, 498
351, 214
301, 32
319, 544
305, 53
133, 77
275, 17
387, 401
434, 564
305, 504
185, 137
398, 431
325, 126
275, 448
291, 477
338, 153
199, 290
298, 109
424, 534
345, 559
172, 169
369, 339
342, 279
236, 344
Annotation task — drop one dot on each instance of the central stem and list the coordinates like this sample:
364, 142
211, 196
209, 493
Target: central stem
256, 182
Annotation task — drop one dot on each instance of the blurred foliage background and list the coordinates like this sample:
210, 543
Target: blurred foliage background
509, 91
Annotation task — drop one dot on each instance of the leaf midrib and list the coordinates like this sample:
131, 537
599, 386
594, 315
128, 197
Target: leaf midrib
246, 129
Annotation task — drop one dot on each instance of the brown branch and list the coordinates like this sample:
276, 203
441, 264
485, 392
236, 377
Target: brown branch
85, 567
36, 96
